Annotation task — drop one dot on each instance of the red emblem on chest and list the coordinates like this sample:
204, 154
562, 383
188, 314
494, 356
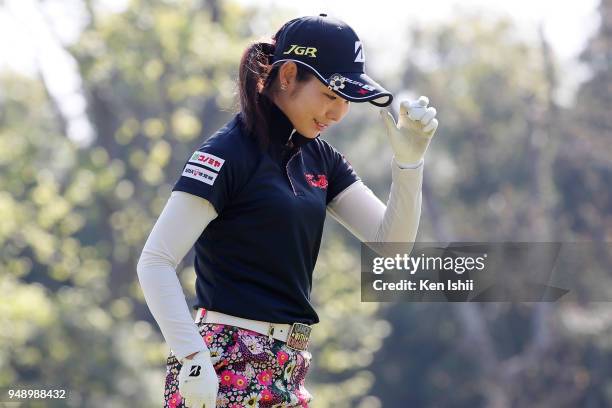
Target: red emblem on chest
319, 180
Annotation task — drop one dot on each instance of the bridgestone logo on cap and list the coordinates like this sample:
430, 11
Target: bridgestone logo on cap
359, 57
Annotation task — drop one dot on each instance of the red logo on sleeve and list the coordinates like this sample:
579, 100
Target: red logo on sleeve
320, 180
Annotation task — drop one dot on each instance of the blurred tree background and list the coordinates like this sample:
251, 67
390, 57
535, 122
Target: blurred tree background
508, 164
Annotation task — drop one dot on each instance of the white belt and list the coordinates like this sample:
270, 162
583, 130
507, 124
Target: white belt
277, 331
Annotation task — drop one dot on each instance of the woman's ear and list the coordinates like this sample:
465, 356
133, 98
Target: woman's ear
287, 75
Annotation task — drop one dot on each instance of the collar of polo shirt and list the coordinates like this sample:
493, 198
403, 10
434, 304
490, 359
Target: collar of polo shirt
281, 129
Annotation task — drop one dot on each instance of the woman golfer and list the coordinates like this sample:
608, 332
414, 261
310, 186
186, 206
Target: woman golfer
253, 199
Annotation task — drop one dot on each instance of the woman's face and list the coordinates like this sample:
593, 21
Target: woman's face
310, 106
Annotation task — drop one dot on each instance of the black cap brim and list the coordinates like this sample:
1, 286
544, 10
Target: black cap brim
358, 87
353, 86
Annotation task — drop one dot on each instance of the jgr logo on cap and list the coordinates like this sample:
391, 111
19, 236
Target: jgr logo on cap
300, 50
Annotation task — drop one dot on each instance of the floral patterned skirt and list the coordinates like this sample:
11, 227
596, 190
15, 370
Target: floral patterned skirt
253, 370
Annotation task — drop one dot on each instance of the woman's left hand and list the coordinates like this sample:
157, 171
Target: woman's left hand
416, 126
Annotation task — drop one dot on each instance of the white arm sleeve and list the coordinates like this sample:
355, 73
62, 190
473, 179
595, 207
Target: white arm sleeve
362, 213
178, 227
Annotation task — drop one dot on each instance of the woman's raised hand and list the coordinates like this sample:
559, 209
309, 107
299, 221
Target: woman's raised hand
416, 126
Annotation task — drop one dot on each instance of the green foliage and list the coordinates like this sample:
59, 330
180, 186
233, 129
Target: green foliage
73, 220
62, 326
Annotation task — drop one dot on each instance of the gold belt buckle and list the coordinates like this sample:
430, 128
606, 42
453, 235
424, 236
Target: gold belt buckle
298, 336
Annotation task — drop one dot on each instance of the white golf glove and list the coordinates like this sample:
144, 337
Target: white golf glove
416, 126
198, 382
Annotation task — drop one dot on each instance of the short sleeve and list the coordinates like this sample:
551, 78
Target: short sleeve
341, 175
213, 171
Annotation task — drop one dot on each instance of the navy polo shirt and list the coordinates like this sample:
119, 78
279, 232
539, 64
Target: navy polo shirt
255, 260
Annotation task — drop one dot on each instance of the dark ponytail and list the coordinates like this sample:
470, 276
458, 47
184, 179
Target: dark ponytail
253, 77
255, 86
